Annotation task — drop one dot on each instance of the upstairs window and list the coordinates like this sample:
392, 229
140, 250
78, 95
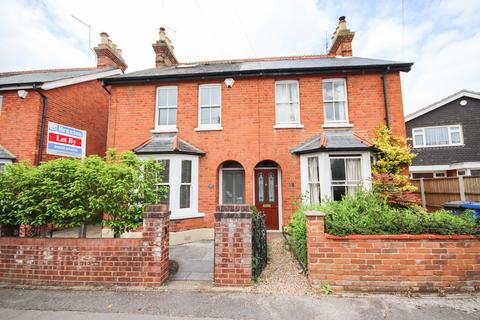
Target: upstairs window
437, 136
210, 105
335, 100
287, 103
166, 115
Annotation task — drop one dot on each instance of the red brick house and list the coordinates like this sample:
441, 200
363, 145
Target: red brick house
266, 131
29, 100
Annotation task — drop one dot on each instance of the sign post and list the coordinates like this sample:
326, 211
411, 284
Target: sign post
66, 141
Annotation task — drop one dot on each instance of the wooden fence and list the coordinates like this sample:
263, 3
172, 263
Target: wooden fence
434, 192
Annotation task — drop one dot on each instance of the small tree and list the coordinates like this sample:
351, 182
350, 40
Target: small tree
392, 156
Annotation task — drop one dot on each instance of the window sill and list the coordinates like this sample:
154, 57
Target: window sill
164, 130
188, 215
208, 129
337, 125
440, 146
288, 126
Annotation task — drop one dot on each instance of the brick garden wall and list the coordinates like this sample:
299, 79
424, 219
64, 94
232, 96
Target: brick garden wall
248, 136
388, 263
90, 262
233, 245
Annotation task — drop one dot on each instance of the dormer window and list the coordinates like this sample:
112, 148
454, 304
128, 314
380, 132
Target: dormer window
166, 111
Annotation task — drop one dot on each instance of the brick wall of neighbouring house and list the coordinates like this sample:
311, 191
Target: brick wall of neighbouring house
389, 263
90, 262
83, 106
233, 245
20, 124
248, 117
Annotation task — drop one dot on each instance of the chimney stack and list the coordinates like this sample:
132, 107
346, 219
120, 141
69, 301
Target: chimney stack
342, 39
164, 56
108, 55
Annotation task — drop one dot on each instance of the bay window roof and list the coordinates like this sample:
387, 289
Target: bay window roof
167, 143
334, 140
5, 154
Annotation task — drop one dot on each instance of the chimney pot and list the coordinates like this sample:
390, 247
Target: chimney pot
342, 39
162, 29
342, 18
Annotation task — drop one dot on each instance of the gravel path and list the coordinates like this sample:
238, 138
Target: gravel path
283, 274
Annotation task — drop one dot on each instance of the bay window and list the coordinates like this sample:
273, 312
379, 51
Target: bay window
166, 111
437, 136
332, 175
180, 179
287, 104
335, 100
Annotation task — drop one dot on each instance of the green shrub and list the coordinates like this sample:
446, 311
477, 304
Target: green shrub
71, 192
297, 232
369, 213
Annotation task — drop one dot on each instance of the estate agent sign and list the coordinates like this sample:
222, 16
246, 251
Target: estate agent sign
66, 141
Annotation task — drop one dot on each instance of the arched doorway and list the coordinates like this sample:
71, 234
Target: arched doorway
267, 192
232, 183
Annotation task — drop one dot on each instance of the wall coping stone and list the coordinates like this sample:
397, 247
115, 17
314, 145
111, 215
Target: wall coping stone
233, 215
156, 211
314, 213
403, 237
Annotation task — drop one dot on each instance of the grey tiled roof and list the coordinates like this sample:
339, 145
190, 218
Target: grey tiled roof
332, 140
43, 76
265, 66
5, 154
167, 143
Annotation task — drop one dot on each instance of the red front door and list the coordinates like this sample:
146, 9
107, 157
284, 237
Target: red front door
266, 195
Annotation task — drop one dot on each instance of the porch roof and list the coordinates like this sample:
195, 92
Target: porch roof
5, 154
167, 143
334, 140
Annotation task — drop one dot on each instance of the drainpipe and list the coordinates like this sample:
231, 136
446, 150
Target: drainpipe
42, 124
108, 111
385, 96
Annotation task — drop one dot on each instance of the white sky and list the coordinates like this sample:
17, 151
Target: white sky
442, 38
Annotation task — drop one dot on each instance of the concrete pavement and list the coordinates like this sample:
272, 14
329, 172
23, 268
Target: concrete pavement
17, 304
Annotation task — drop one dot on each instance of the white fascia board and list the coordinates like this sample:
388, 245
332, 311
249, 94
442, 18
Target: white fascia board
441, 167
16, 88
438, 104
85, 78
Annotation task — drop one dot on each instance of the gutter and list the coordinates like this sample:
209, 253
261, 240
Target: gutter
42, 124
385, 96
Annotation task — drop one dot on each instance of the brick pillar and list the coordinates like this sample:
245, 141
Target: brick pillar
315, 245
155, 237
233, 245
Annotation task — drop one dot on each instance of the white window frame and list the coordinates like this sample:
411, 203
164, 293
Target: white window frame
175, 182
207, 127
440, 174
325, 172
165, 128
335, 80
287, 125
310, 182
5, 162
421, 131
345, 184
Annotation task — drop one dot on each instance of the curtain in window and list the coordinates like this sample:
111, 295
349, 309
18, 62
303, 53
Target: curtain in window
287, 102
353, 173
313, 180
436, 136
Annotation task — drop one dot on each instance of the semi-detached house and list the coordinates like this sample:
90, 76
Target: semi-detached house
268, 131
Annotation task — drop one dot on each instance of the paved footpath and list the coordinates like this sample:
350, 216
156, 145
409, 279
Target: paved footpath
19, 304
